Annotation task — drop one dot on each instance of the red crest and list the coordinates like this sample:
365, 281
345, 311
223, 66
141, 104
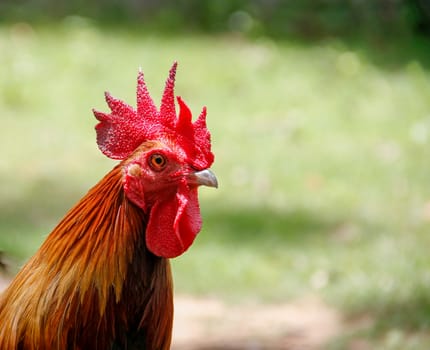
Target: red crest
120, 132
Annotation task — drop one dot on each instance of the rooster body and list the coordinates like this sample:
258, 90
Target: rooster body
102, 278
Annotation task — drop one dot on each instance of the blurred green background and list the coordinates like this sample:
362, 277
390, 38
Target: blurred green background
320, 119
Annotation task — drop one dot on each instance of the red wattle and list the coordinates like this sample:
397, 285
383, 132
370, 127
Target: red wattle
174, 222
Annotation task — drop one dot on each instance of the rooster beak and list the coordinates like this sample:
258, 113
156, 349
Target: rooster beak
205, 177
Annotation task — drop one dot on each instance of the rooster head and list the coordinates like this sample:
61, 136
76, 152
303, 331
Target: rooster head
166, 156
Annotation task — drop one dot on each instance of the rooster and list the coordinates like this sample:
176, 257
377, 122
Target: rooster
102, 278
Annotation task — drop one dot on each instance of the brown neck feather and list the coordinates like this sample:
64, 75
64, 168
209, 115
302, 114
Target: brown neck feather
93, 284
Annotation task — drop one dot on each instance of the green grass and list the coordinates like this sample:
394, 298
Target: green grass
322, 157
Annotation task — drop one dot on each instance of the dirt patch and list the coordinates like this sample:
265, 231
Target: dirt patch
204, 323
211, 324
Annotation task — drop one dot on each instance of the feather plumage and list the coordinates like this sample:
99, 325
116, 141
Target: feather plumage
91, 283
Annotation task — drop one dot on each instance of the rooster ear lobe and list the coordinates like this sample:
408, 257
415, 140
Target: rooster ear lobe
133, 185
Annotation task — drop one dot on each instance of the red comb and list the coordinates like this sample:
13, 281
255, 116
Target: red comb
124, 129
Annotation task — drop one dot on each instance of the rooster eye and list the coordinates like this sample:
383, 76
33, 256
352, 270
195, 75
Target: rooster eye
157, 162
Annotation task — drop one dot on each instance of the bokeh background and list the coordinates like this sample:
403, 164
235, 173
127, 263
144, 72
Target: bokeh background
320, 117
